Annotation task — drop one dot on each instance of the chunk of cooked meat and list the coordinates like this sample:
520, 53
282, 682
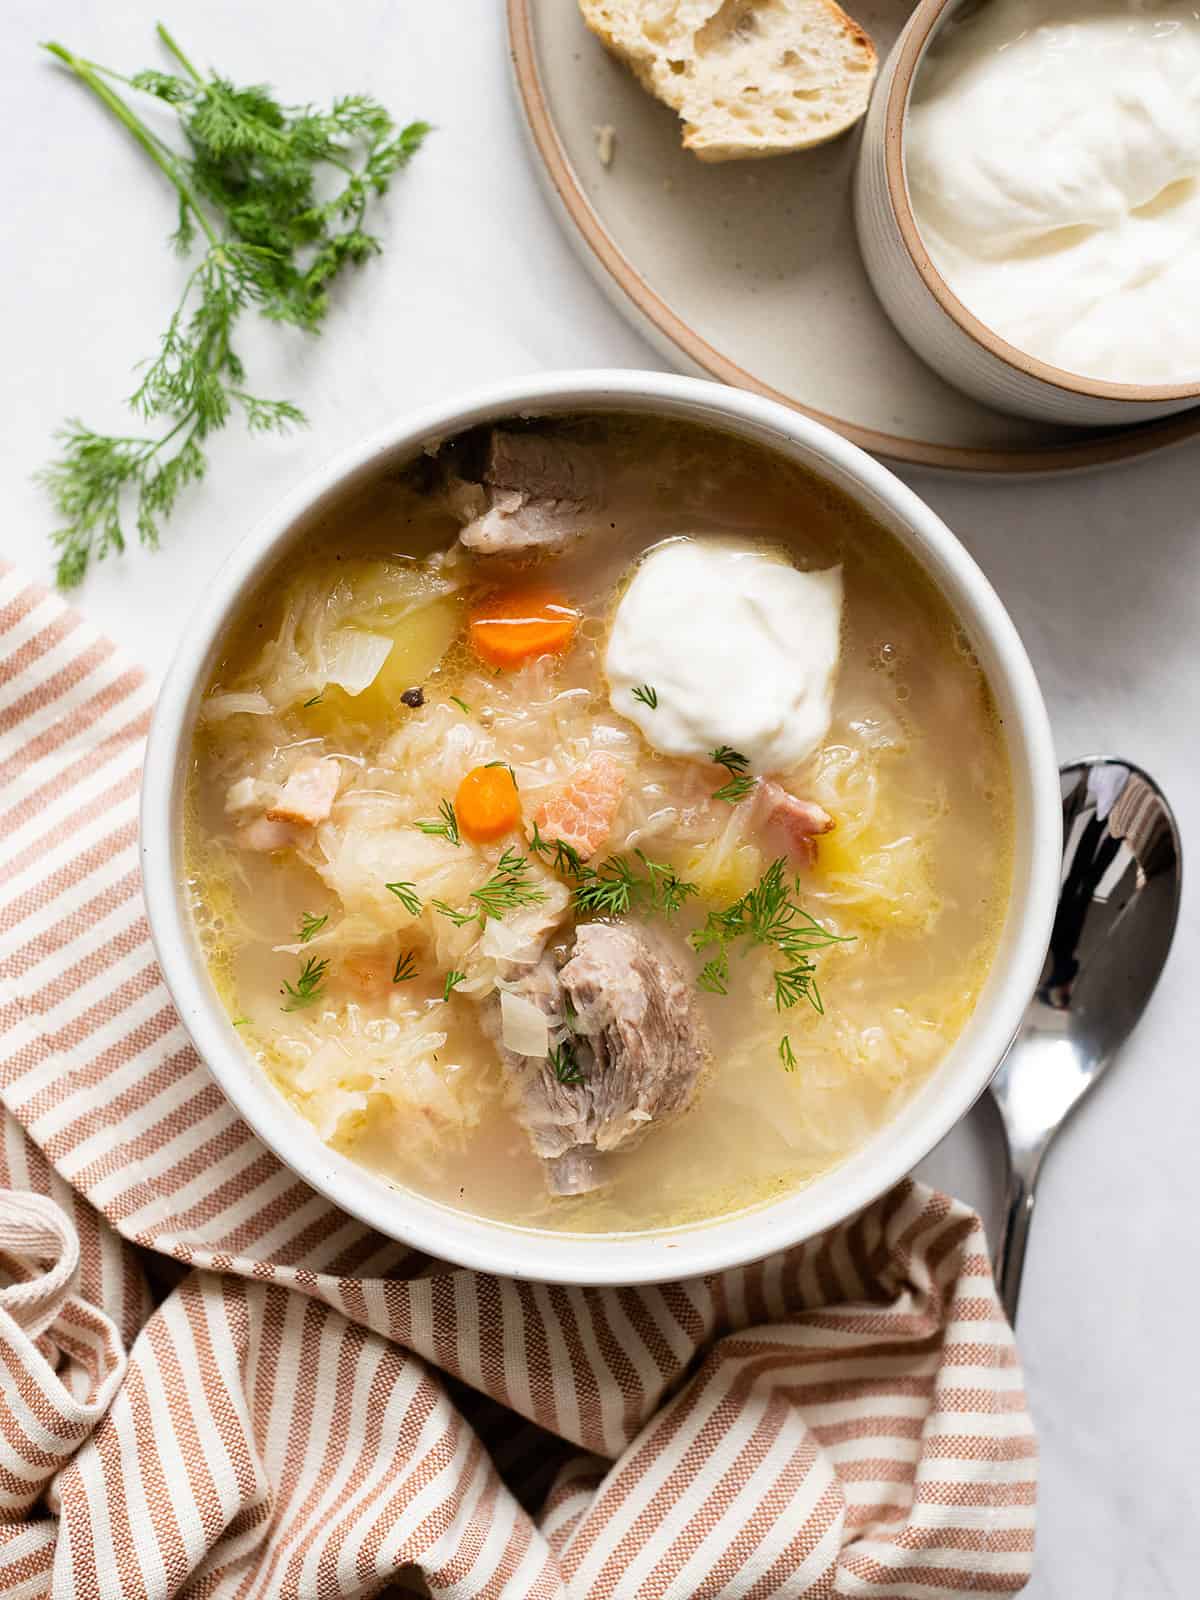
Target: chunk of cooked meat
799, 823
638, 1048
581, 813
308, 795
637, 1012
539, 493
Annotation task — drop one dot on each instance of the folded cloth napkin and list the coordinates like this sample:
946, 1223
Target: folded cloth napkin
214, 1383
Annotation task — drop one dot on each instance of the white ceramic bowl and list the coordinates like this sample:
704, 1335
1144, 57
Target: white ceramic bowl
937, 1105
917, 298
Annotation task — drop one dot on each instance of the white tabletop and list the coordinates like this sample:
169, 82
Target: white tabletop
1101, 572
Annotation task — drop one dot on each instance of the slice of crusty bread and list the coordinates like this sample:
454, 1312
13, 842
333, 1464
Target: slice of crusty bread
748, 77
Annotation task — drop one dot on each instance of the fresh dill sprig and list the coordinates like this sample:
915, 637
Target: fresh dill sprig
314, 700
795, 984
767, 915
565, 1063
405, 968
713, 977
565, 858
453, 979
247, 185
447, 828
461, 704
407, 895
740, 782
307, 989
736, 789
648, 696
506, 767
616, 887
508, 887
458, 918
310, 926
786, 1054
732, 760
241, 1022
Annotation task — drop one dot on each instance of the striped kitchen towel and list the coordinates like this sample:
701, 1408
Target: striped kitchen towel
214, 1383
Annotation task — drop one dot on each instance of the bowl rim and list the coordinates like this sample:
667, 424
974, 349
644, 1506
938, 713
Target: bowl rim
927, 18
481, 1243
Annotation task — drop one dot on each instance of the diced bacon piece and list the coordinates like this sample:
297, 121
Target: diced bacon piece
581, 813
800, 822
265, 835
308, 795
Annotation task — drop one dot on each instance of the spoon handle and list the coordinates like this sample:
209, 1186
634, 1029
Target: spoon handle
1014, 1236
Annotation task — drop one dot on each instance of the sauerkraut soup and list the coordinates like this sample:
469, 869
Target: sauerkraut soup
598, 824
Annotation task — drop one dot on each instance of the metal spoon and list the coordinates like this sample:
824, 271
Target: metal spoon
1117, 906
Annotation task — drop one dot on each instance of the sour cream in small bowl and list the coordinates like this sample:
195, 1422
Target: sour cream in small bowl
1028, 202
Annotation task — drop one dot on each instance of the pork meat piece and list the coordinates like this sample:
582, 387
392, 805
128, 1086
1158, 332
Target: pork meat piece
539, 493
308, 795
638, 1048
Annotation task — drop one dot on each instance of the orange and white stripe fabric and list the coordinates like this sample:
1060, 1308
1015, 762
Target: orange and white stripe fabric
212, 1383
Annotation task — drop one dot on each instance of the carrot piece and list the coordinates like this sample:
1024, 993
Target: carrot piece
511, 625
487, 804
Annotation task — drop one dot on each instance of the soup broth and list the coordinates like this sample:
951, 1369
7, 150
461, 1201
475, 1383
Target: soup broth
377, 959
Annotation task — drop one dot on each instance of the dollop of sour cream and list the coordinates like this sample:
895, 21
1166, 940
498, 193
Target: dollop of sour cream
727, 646
1053, 165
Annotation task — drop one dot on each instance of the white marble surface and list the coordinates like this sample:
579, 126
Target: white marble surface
1102, 574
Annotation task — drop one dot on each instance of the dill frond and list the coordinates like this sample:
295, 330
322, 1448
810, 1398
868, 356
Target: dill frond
247, 185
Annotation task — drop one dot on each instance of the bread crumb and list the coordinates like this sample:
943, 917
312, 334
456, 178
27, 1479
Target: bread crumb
606, 142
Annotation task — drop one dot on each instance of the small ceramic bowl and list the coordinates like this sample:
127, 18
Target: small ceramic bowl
694, 1248
917, 298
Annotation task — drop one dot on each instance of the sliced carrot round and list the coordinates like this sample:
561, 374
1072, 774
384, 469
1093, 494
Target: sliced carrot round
512, 625
487, 804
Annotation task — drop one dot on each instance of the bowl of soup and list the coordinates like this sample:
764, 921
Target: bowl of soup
602, 830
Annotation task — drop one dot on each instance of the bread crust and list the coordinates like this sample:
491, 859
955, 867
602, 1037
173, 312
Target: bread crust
725, 66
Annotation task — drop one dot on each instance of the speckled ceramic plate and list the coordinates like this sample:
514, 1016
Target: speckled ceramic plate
749, 271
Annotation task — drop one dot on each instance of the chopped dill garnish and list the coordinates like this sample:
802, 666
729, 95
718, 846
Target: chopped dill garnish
307, 989
507, 769
310, 926
740, 782
713, 977
458, 918
795, 984
616, 887
407, 895
736, 789
461, 704
509, 886
453, 979
565, 858
249, 179
315, 701
786, 1054
565, 1063
507, 889
732, 760
241, 1022
406, 967
767, 915
447, 828
647, 695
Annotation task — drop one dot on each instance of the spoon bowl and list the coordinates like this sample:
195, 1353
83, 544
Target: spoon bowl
1118, 905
